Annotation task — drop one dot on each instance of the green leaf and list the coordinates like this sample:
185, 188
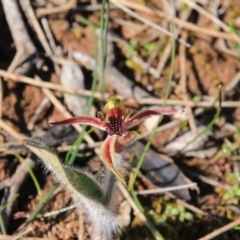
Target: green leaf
196, 98
237, 192
84, 189
79, 183
188, 216
181, 208
84, 184
238, 130
174, 212
183, 6
226, 149
181, 218
235, 201
226, 196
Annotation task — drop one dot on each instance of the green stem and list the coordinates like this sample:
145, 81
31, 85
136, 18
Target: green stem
2, 224
150, 224
40, 206
31, 173
105, 10
146, 148
209, 126
72, 154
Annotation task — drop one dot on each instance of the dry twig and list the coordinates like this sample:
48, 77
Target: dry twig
146, 21
221, 230
181, 23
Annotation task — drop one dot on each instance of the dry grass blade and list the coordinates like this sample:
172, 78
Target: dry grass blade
61, 9
183, 84
17, 27
221, 230
146, 21
62, 109
33, 20
211, 17
167, 189
16, 180
53, 86
181, 23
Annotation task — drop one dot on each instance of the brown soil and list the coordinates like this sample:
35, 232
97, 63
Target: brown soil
206, 68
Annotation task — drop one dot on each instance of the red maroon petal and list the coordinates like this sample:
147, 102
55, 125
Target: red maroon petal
142, 115
84, 120
108, 156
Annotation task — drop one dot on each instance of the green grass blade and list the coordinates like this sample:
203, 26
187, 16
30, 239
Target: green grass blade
72, 154
208, 128
2, 224
154, 231
40, 206
31, 173
105, 10
140, 162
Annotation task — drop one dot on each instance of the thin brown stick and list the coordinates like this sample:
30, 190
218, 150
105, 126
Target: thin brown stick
181, 23
189, 206
80, 223
87, 93
183, 84
63, 110
136, 210
52, 44
17, 179
179, 201
146, 21
164, 57
207, 14
49, 35
31, 81
167, 50
17, 27
8, 237
55, 10
16, 60
36, 114
33, 20
221, 230
165, 189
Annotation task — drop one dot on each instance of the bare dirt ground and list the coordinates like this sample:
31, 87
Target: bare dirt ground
142, 54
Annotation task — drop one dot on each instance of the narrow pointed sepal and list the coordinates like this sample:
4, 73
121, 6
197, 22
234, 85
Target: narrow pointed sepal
108, 155
84, 120
145, 114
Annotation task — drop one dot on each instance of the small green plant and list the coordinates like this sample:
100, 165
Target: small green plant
235, 30
132, 49
196, 98
166, 211
150, 48
233, 194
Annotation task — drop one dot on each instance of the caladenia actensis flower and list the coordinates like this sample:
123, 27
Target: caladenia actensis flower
117, 122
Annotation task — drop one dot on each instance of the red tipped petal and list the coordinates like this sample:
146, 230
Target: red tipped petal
108, 156
142, 115
85, 120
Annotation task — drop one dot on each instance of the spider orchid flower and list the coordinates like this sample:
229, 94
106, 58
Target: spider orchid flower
116, 122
